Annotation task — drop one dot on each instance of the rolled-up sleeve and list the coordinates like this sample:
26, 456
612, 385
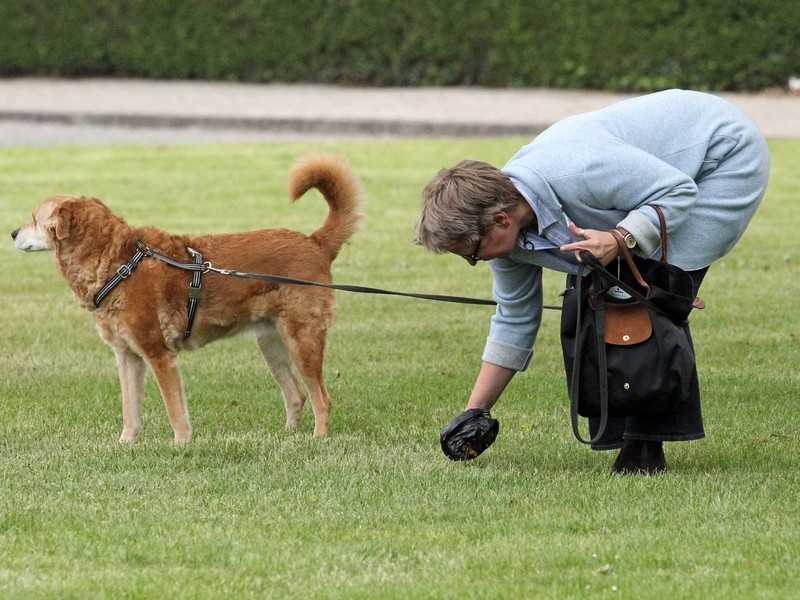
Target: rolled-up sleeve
629, 179
517, 289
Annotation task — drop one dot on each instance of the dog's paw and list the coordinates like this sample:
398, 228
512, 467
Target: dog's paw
182, 441
127, 437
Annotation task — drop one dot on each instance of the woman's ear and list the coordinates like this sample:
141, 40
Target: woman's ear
502, 219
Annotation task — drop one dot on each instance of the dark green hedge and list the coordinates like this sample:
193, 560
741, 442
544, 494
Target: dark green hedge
622, 45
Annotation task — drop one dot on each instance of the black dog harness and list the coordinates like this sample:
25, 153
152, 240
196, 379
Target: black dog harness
197, 267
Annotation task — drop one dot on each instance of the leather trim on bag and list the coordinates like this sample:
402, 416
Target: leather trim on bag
627, 324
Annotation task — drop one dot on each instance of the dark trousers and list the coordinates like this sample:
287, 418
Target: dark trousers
684, 425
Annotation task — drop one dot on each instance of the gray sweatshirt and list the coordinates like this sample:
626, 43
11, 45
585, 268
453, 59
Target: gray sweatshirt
695, 155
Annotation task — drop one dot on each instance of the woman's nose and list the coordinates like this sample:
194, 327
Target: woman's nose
14, 234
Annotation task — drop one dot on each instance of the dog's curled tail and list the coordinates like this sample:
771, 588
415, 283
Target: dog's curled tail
342, 190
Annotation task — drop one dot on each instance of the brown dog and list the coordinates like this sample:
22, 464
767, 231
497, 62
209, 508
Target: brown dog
144, 318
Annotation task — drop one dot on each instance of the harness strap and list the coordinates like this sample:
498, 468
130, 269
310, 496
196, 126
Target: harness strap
123, 272
194, 291
192, 266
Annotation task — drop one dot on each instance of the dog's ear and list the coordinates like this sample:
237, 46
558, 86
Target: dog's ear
61, 221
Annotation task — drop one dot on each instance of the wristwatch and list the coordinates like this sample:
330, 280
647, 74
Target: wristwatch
627, 237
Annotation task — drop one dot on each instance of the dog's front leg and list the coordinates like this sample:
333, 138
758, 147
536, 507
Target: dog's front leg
131, 379
165, 369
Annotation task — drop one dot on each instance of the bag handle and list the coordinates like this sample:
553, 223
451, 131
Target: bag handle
626, 253
600, 271
574, 386
662, 222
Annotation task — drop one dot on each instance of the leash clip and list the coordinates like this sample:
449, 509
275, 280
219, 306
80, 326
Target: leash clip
220, 271
124, 271
207, 266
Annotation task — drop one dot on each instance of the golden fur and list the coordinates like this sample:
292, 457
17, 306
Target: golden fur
144, 317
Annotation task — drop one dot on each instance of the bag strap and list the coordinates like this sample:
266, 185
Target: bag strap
626, 254
574, 386
662, 222
594, 265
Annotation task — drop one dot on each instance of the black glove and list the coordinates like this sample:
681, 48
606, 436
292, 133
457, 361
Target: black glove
469, 434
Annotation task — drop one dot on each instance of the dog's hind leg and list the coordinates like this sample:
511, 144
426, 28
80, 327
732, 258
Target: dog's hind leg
165, 369
306, 344
280, 365
131, 370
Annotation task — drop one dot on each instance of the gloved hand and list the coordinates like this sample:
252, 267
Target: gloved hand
469, 434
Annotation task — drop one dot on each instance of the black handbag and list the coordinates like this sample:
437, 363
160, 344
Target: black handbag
625, 338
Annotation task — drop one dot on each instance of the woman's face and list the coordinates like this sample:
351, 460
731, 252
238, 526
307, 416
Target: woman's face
498, 240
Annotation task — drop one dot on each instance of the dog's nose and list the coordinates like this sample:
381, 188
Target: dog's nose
14, 234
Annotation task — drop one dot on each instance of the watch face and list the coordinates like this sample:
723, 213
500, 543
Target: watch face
630, 242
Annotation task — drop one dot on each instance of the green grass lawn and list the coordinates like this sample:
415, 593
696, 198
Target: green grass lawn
375, 510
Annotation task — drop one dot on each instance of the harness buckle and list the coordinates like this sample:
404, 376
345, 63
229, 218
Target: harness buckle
124, 271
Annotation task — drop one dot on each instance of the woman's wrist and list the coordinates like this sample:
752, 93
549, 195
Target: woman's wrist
491, 381
610, 250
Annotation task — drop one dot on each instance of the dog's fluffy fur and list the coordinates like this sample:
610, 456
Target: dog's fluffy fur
144, 318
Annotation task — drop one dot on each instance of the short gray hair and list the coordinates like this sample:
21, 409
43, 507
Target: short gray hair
459, 204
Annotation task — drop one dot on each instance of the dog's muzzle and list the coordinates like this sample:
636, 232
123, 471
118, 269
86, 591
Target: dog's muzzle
14, 234
469, 434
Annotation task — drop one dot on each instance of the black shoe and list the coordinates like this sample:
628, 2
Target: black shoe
640, 457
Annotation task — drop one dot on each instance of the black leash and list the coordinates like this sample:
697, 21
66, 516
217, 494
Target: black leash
207, 266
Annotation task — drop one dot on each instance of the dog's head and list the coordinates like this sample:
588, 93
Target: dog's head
53, 222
